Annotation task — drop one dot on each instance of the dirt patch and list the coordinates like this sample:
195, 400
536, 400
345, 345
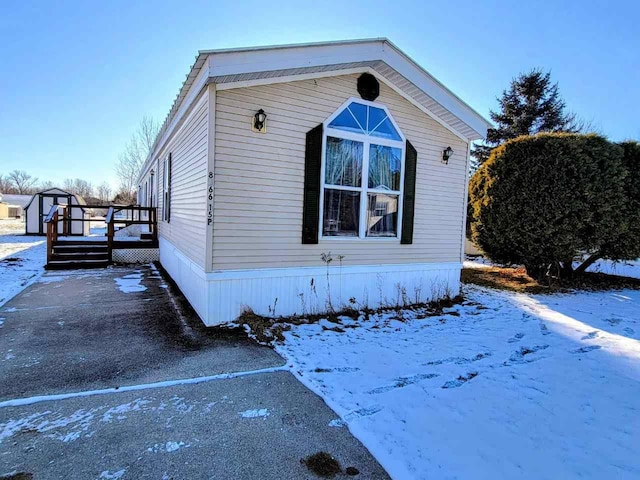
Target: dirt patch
322, 464
11, 260
17, 476
517, 280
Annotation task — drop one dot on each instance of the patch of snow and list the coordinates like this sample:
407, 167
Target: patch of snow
120, 410
516, 386
167, 447
622, 268
108, 475
18, 402
261, 412
336, 422
22, 260
131, 283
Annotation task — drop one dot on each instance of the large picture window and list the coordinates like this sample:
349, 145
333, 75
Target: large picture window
362, 173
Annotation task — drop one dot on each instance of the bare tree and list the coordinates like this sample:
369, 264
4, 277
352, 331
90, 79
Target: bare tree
135, 153
46, 185
6, 185
103, 192
22, 181
147, 133
79, 187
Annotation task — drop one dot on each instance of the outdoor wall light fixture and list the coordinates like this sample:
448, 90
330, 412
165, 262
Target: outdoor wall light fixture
259, 121
446, 155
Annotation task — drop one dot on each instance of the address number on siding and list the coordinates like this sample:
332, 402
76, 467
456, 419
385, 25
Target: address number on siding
210, 199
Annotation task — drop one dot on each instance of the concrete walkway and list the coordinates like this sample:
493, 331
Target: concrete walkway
101, 376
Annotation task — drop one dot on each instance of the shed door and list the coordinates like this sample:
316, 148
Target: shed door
47, 200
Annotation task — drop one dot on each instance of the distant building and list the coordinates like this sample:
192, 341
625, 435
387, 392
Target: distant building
12, 206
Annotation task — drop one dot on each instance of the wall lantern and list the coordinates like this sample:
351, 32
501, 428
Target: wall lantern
260, 122
152, 172
446, 155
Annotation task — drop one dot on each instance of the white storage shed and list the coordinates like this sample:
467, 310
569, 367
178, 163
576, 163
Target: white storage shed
38, 208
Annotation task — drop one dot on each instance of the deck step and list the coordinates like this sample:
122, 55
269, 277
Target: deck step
80, 242
86, 249
75, 264
75, 256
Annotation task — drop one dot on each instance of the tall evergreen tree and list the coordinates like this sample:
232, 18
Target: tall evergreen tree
532, 104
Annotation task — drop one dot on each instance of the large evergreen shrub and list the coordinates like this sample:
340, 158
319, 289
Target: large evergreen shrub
546, 200
625, 244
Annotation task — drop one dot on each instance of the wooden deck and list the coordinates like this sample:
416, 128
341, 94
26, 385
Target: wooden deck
96, 251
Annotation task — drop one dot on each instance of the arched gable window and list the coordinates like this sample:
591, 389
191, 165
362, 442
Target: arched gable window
362, 172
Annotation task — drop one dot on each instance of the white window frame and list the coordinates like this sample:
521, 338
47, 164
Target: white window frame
364, 189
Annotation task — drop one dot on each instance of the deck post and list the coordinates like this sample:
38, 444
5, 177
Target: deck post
65, 226
110, 234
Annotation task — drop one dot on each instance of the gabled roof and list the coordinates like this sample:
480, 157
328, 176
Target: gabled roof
78, 198
237, 67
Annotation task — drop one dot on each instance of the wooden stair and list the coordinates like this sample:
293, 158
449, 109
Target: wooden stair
72, 254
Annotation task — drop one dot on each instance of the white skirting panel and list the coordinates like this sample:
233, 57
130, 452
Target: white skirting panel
220, 297
290, 291
189, 276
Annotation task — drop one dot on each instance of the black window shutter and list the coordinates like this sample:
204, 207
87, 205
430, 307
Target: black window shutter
409, 202
311, 205
169, 189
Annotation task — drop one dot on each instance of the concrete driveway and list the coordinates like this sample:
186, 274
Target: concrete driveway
109, 374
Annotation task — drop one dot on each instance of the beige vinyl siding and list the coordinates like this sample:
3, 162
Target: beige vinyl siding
188, 147
259, 179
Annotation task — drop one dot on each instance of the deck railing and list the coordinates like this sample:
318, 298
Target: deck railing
117, 215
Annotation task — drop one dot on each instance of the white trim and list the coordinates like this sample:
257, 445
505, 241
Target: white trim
465, 203
211, 149
295, 45
363, 189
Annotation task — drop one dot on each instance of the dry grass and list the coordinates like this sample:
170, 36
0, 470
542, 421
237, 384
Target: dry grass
267, 330
517, 280
512, 279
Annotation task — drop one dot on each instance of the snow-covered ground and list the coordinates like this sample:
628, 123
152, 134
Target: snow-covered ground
507, 386
623, 268
22, 259
626, 268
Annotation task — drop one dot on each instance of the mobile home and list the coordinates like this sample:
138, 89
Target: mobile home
303, 178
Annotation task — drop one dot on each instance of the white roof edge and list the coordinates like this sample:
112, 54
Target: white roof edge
472, 110
482, 123
407, 67
294, 45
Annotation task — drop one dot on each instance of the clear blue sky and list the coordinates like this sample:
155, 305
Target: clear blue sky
76, 77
